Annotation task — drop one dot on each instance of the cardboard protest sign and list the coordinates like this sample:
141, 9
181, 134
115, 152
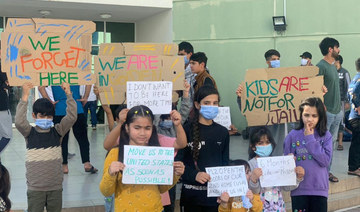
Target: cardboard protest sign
150, 49
118, 63
231, 179
156, 95
273, 95
47, 51
277, 171
223, 118
148, 165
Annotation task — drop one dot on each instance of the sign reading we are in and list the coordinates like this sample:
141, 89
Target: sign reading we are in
47, 51
272, 96
118, 63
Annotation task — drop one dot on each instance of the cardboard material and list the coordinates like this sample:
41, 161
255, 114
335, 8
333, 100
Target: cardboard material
277, 171
272, 96
230, 179
32, 48
118, 63
148, 165
150, 49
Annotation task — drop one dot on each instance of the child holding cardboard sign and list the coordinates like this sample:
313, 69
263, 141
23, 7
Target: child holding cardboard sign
43, 149
240, 204
262, 144
138, 129
311, 144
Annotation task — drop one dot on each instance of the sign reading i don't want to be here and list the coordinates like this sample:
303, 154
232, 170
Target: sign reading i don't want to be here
156, 95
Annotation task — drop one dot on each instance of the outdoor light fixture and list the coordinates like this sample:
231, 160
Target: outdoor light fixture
105, 15
279, 23
44, 13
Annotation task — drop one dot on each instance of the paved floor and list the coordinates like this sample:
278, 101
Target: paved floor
352, 209
82, 189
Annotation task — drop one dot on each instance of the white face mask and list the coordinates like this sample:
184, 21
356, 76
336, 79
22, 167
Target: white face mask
304, 62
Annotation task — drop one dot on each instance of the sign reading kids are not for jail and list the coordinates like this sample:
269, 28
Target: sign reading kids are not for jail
47, 51
148, 165
272, 96
118, 63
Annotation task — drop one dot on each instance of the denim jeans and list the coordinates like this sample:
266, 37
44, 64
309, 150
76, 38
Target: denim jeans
333, 123
109, 203
92, 106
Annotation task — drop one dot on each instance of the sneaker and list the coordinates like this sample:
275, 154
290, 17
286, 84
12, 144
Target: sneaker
94, 127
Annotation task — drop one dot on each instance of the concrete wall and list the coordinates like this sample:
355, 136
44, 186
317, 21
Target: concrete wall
236, 33
157, 28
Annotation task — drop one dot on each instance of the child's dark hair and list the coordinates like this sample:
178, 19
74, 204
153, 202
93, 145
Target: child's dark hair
320, 108
240, 162
203, 92
357, 64
199, 57
270, 53
135, 112
255, 135
5, 186
167, 116
340, 59
186, 46
327, 43
44, 107
118, 110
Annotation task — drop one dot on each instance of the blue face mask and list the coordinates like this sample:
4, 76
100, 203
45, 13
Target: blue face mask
186, 60
264, 151
44, 123
166, 124
275, 63
209, 112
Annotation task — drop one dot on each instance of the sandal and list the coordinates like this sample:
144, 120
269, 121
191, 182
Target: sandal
92, 170
356, 172
340, 147
332, 178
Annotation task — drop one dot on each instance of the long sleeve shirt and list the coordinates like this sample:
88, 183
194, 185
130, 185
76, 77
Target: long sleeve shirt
43, 148
213, 151
236, 206
130, 197
313, 153
184, 111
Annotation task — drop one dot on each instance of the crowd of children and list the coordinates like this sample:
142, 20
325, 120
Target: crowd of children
199, 142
